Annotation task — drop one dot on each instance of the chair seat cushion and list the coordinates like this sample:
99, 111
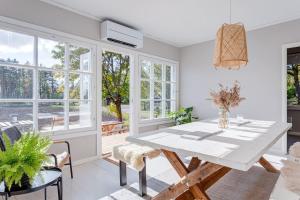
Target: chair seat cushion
62, 159
133, 154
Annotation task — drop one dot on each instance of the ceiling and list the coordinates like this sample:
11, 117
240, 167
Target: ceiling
185, 22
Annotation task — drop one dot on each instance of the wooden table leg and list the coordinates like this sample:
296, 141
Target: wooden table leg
267, 165
195, 162
182, 170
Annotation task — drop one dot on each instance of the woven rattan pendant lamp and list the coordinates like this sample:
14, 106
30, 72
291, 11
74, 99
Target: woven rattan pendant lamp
231, 46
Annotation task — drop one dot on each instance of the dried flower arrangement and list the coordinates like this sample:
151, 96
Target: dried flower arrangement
227, 98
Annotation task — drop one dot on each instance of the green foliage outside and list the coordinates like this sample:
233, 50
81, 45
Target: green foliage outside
25, 157
17, 83
293, 86
182, 116
113, 111
115, 81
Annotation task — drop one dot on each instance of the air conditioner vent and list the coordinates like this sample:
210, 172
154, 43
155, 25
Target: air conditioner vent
121, 42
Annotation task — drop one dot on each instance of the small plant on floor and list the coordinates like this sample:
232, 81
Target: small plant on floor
182, 116
22, 161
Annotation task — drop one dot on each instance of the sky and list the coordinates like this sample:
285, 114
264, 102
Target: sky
21, 47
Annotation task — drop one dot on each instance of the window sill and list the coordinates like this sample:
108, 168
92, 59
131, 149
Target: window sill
68, 134
152, 122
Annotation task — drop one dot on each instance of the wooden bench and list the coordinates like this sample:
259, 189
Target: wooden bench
134, 155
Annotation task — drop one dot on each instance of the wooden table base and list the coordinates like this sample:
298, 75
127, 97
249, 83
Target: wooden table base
196, 178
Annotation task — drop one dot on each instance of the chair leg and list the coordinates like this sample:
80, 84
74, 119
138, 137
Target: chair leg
71, 166
143, 181
123, 173
70, 159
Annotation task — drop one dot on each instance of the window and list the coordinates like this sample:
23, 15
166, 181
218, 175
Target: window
45, 84
157, 89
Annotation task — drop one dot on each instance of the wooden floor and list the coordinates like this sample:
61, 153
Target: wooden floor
99, 180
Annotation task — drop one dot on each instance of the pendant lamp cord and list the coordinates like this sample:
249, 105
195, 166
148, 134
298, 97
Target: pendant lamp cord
229, 11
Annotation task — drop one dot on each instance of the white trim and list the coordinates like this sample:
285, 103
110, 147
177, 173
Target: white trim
283, 89
98, 104
133, 56
36, 34
81, 133
151, 80
86, 160
153, 122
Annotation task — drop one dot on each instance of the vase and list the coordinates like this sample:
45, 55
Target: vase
223, 118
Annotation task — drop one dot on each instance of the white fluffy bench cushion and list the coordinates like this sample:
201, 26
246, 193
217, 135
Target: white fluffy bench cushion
291, 175
294, 152
280, 192
133, 154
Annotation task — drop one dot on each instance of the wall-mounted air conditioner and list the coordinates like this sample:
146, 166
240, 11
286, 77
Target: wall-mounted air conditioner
113, 32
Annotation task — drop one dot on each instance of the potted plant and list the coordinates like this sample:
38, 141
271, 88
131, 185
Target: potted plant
22, 161
182, 116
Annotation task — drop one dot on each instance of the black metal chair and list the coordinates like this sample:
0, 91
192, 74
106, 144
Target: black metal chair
59, 160
13, 134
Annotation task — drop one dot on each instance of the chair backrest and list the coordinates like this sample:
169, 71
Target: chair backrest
13, 134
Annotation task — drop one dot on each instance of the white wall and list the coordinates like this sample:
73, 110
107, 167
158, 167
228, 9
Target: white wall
260, 80
49, 16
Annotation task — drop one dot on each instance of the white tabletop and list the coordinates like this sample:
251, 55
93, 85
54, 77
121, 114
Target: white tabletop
237, 147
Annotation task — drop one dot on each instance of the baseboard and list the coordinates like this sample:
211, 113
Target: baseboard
85, 160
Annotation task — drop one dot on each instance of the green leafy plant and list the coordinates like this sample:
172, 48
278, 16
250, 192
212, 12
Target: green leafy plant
23, 158
182, 116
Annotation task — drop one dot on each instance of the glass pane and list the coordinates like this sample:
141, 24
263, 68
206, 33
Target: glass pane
145, 110
16, 114
168, 107
157, 109
168, 91
51, 54
51, 85
173, 106
80, 114
79, 85
145, 69
145, 90
80, 58
157, 72
16, 48
15, 83
51, 116
157, 90
168, 73
173, 91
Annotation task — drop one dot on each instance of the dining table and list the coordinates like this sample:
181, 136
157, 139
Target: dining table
213, 152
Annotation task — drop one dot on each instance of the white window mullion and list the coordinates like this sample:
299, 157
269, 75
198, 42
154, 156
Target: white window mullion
163, 99
35, 91
151, 91
66, 92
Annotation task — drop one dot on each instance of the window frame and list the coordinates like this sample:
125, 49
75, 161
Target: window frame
35, 100
163, 63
